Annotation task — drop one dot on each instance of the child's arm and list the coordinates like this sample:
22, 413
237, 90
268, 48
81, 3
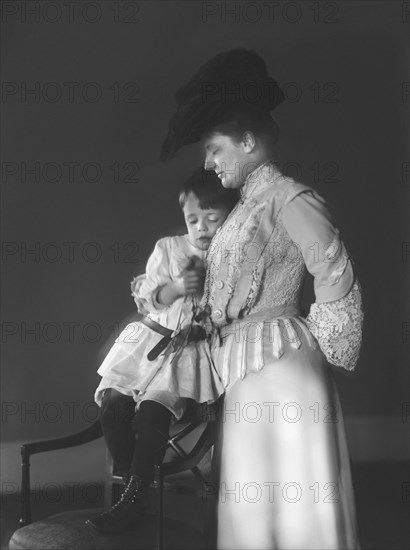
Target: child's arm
156, 275
157, 290
190, 282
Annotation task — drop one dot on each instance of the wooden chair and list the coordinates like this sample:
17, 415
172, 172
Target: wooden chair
32, 536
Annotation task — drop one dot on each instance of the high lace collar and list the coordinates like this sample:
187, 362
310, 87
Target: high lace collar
259, 179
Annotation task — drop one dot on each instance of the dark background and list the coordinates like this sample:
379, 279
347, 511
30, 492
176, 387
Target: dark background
344, 66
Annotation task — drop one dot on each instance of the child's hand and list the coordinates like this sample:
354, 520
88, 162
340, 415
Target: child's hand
191, 281
194, 276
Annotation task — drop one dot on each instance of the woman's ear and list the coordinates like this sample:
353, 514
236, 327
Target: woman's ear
248, 141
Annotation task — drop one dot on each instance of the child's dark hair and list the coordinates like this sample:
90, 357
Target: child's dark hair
208, 189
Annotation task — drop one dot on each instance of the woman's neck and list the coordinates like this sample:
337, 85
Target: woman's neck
260, 155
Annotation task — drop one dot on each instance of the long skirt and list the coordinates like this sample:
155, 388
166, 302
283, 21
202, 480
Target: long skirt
285, 480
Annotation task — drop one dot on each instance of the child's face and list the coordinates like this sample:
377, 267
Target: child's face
202, 224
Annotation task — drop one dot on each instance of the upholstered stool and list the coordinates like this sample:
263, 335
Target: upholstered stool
67, 531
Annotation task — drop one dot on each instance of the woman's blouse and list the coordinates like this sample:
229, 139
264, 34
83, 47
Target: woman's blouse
257, 264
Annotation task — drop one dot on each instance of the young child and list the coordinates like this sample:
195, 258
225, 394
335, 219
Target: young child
160, 361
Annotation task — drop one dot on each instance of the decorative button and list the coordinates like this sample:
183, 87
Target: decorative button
219, 284
218, 313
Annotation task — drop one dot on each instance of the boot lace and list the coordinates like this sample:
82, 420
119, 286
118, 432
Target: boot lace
131, 493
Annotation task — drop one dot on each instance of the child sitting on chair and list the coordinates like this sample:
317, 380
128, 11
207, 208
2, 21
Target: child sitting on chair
160, 361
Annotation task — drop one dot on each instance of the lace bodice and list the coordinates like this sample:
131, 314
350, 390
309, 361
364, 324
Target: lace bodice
278, 276
258, 260
253, 262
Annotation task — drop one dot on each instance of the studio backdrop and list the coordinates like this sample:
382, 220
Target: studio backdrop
87, 93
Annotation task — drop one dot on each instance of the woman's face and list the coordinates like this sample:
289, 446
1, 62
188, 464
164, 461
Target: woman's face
228, 158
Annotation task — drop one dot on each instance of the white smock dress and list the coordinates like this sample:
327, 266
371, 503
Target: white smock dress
184, 369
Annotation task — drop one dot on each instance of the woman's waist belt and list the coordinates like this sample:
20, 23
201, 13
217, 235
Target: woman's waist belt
266, 315
246, 344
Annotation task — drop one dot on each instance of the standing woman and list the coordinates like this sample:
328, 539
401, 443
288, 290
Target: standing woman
285, 479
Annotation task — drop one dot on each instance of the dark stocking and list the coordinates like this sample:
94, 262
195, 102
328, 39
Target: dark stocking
152, 423
117, 414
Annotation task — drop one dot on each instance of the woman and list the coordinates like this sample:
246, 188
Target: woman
285, 478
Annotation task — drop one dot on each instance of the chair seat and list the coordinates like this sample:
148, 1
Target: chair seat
67, 531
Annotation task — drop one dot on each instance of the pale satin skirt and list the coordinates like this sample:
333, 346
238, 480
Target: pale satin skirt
285, 480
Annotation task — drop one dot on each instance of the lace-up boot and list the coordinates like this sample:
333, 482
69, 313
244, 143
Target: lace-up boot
127, 512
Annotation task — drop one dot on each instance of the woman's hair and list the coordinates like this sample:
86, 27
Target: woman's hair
207, 188
259, 122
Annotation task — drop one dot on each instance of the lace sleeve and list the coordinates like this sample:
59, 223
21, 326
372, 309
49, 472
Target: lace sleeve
337, 326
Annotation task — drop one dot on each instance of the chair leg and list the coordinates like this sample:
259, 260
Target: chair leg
25, 517
212, 491
109, 472
159, 507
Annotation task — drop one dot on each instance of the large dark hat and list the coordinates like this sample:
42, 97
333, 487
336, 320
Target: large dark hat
231, 82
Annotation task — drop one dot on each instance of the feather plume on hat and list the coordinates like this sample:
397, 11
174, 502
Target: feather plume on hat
232, 81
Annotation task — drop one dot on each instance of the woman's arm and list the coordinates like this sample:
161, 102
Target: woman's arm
336, 318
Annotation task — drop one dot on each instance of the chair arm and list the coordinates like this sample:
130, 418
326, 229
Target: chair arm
91, 433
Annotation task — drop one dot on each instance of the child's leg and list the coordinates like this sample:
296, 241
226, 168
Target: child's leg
155, 412
117, 414
153, 422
